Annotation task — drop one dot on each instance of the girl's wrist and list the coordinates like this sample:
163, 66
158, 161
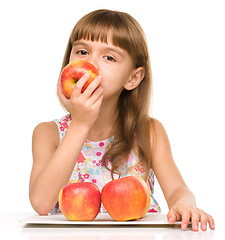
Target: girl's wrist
185, 202
77, 126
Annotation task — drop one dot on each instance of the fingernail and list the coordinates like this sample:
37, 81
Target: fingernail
196, 227
184, 226
170, 220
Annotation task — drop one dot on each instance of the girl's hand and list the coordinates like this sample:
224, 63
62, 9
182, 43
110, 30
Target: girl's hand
182, 211
83, 107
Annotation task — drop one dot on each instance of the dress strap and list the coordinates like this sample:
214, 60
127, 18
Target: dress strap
62, 124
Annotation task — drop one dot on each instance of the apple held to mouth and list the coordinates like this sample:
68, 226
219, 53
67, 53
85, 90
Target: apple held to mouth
73, 71
125, 198
80, 201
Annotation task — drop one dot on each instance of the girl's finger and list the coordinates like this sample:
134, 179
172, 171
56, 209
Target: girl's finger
97, 93
92, 86
79, 85
185, 219
211, 222
98, 101
195, 217
171, 216
204, 220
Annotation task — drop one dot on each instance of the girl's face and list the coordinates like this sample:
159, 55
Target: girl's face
113, 63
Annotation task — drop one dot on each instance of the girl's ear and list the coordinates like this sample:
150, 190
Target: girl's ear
135, 79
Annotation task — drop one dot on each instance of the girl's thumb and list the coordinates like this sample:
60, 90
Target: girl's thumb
171, 216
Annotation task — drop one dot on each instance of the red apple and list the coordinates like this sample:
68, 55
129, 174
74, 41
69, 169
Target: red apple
124, 198
80, 201
73, 71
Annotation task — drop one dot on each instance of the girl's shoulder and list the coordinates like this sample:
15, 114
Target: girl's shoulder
53, 131
157, 132
46, 131
155, 126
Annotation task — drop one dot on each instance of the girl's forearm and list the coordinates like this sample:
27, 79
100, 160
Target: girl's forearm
44, 191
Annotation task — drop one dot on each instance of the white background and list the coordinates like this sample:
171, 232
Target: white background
186, 41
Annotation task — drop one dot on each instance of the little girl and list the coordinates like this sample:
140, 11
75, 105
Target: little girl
108, 133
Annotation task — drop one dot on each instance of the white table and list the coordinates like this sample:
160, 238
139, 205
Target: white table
10, 228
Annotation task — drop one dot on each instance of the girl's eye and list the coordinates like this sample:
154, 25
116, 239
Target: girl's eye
82, 52
109, 58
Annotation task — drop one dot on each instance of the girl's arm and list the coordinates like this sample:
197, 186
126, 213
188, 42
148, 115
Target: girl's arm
53, 164
180, 199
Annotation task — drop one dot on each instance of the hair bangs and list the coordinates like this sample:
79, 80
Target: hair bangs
91, 32
108, 26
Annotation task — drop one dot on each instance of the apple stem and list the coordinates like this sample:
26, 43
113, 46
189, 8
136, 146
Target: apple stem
74, 79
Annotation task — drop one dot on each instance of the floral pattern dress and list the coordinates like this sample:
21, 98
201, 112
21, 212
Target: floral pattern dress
89, 167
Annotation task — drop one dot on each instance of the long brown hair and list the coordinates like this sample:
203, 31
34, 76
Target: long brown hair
133, 122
